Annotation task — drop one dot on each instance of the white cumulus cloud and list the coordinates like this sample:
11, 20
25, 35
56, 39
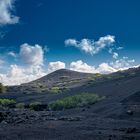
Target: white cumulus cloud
103, 68
33, 59
91, 46
17, 75
6, 16
1, 61
123, 63
31, 55
71, 42
82, 67
55, 66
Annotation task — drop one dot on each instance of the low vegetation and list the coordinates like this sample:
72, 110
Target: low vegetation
35, 105
65, 88
55, 90
7, 102
78, 100
2, 88
58, 90
20, 105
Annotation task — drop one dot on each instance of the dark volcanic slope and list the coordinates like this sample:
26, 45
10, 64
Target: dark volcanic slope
63, 77
133, 99
63, 74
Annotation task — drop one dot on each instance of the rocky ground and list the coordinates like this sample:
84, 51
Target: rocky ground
73, 124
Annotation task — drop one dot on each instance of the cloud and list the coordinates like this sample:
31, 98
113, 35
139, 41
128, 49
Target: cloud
123, 63
1, 62
2, 34
82, 67
91, 46
17, 75
119, 48
6, 16
31, 55
55, 66
15, 71
46, 49
103, 68
115, 55
33, 58
94, 47
71, 42
12, 54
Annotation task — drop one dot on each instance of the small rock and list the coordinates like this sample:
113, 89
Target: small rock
100, 132
4, 122
20, 121
2, 116
131, 130
74, 119
69, 118
130, 112
88, 107
83, 109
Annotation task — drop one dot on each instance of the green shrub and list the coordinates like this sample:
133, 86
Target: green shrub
7, 102
20, 105
55, 90
35, 105
65, 88
78, 100
2, 88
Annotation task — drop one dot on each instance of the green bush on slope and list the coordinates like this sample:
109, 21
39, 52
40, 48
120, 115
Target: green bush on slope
2, 88
20, 105
78, 100
35, 105
7, 102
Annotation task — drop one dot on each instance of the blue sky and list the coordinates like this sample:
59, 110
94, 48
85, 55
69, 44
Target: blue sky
50, 23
